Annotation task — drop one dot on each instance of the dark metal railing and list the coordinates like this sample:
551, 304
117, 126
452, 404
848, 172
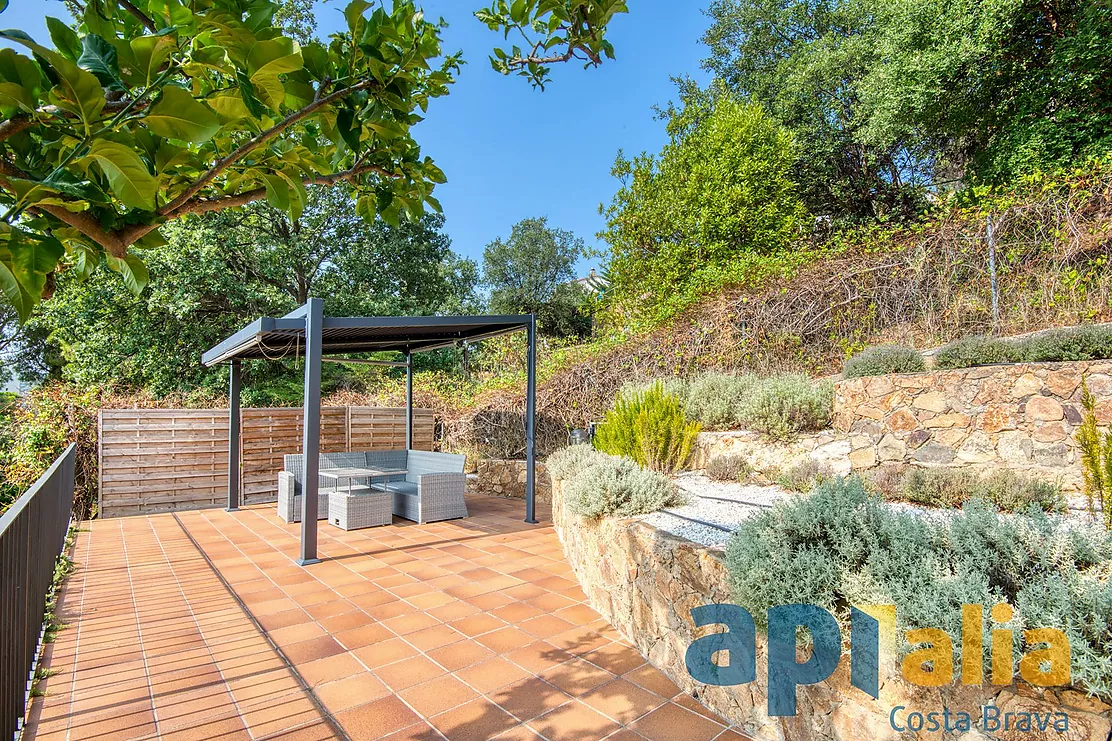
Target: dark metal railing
32, 536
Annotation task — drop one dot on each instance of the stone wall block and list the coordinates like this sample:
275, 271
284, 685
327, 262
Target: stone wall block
1026, 385
1014, 447
1044, 409
932, 401
1062, 383
1100, 384
934, 454
902, 420
977, 448
952, 419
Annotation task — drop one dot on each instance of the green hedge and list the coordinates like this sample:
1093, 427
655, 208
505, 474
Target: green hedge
841, 546
648, 426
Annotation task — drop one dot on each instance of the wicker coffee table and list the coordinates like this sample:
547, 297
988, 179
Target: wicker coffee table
355, 510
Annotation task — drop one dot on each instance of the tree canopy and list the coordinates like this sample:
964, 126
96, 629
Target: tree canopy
146, 111
220, 271
719, 189
890, 100
530, 273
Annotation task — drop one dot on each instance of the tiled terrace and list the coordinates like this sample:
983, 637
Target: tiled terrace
200, 626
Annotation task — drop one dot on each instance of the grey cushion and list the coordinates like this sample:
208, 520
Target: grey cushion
397, 487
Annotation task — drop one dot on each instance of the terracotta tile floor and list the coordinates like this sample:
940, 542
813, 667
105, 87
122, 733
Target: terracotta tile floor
201, 626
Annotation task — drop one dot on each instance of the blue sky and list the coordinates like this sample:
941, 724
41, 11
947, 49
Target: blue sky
511, 152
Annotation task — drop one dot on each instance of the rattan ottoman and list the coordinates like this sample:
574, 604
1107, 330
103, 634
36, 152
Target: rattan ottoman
357, 511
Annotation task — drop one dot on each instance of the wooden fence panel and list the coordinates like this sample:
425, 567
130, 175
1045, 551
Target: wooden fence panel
155, 460
383, 428
269, 434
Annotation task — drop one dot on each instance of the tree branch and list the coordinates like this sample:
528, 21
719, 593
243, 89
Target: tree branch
142, 17
171, 209
23, 121
82, 221
204, 206
14, 125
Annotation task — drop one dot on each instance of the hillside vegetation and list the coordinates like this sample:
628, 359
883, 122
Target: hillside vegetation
919, 285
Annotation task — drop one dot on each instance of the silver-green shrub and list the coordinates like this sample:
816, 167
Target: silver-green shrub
1075, 343
1070, 344
804, 476
714, 399
841, 546
565, 462
781, 407
953, 487
882, 360
970, 351
730, 467
599, 485
677, 387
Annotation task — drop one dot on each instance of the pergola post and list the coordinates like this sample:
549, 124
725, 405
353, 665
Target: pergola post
408, 400
233, 436
530, 423
310, 442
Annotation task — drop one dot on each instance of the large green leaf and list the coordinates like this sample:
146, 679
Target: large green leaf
274, 56
20, 300
14, 96
77, 91
21, 70
178, 116
128, 177
32, 259
249, 95
99, 57
65, 38
228, 106
267, 60
25, 261
277, 192
132, 269
151, 52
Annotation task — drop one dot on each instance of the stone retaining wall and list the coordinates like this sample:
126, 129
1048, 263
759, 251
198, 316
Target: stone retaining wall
506, 478
645, 583
1021, 416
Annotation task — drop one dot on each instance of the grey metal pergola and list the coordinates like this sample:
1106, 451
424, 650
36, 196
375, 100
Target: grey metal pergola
307, 332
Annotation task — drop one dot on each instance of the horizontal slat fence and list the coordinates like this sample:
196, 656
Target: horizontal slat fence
158, 460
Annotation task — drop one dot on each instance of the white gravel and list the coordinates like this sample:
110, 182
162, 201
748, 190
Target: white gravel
714, 510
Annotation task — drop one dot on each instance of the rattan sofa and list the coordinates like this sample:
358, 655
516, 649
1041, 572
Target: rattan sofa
432, 489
